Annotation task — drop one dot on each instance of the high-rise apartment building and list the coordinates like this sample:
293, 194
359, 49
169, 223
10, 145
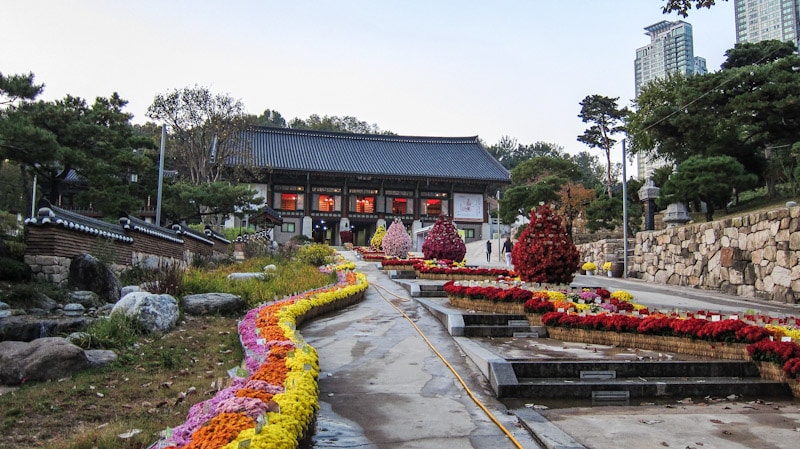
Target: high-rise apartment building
760, 20
671, 50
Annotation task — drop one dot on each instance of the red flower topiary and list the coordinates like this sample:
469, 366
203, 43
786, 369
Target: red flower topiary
545, 252
443, 241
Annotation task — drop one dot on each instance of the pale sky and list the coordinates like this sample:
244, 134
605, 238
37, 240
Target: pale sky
414, 67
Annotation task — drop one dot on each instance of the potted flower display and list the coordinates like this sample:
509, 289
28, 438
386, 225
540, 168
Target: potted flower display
589, 267
607, 268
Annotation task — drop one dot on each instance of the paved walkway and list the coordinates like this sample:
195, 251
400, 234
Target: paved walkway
383, 387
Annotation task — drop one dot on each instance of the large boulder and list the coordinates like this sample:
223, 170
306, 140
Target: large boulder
88, 273
155, 313
212, 303
42, 359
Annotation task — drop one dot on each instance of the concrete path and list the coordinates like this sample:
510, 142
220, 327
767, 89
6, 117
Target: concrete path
381, 385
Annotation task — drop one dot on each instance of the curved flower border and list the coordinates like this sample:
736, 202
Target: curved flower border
273, 397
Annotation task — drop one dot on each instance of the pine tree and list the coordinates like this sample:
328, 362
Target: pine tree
545, 252
397, 242
443, 241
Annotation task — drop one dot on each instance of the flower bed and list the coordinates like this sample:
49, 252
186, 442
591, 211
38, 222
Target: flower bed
601, 317
399, 264
272, 399
698, 348
369, 253
449, 270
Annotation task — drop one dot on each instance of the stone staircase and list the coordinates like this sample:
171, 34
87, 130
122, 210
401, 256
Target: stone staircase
621, 380
500, 325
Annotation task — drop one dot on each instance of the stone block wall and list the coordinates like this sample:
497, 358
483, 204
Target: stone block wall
602, 251
756, 255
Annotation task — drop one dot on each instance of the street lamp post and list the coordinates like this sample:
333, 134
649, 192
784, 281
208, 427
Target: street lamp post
500, 254
624, 215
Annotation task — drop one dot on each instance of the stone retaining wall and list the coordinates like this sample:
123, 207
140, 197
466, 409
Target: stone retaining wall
602, 251
753, 256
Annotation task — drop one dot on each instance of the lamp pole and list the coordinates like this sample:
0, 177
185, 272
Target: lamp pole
500, 254
160, 174
624, 215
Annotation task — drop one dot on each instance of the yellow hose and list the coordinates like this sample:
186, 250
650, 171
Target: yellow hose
453, 370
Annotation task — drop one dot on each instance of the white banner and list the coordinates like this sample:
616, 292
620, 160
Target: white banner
468, 206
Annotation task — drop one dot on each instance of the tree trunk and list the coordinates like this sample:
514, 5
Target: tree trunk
709, 211
608, 171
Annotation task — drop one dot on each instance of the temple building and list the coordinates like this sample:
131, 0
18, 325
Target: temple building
323, 184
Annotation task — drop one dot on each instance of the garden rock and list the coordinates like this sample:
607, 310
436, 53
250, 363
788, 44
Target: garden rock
150, 263
88, 273
4, 306
241, 276
100, 357
5, 313
85, 298
129, 289
42, 301
212, 303
42, 359
74, 309
30, 327
155, 313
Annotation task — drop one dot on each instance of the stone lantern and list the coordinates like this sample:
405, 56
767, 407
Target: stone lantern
676, 215
648, 194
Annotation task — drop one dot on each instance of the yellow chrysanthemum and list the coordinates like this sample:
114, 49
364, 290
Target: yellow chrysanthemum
622, 295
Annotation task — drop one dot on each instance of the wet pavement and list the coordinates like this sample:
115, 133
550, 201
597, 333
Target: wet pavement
383, 387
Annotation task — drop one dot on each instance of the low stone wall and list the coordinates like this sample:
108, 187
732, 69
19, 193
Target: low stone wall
753, 255
602, 251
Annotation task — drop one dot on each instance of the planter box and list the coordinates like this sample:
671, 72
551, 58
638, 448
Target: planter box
455, 277
698, 348
771, 371
330, 307
483, 305
794, 384
399, 267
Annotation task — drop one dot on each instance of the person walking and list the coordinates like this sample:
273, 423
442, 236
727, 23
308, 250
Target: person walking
488, 250
507, 247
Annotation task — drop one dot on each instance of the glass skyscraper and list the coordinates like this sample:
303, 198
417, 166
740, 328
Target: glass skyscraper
760, 20
671, 50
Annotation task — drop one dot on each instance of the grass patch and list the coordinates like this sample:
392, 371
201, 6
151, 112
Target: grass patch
150, 387
155, 379
291, 277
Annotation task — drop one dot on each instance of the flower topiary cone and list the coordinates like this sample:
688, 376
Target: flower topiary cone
544, 252
443, 241
377, 239
396, 242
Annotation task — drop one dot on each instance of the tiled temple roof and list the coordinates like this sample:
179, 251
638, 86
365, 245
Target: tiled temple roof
461, 158
53, 215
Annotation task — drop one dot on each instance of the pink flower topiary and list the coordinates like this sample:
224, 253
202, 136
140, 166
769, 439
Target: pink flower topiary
396, 242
